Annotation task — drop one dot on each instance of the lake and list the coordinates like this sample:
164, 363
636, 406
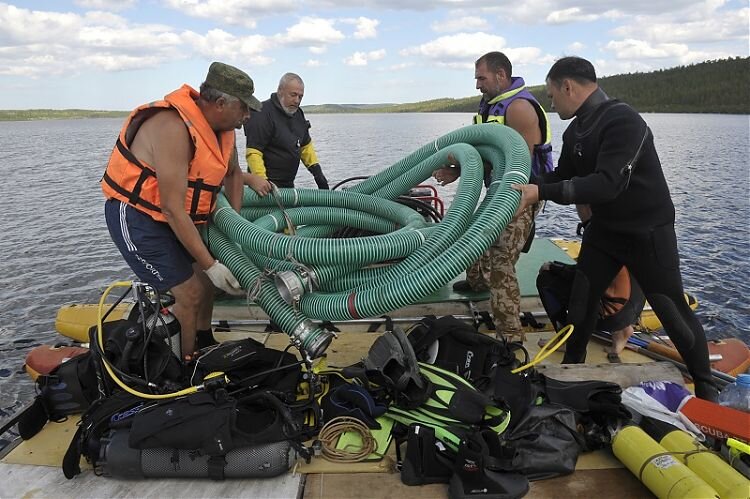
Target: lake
56, 249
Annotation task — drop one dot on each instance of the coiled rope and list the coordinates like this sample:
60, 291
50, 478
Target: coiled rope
333, 430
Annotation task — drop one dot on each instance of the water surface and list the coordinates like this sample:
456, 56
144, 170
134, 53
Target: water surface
55, 247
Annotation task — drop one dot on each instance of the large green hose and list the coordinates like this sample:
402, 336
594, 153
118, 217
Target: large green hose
428, 255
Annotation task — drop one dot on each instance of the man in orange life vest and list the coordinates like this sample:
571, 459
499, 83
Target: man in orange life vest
168, 165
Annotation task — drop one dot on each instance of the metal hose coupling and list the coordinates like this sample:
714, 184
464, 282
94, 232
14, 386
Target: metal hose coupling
292, 284
311, 339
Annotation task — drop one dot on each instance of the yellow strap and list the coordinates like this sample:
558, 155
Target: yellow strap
255, 163
308, 155
549, 347
100, 339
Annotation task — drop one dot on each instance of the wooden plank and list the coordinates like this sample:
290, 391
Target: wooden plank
623, 374
41, 481
583, 484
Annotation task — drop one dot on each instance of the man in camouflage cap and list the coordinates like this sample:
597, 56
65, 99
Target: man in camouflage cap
171, 159
232, 81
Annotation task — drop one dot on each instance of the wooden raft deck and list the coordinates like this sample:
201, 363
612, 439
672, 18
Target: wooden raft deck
32, 469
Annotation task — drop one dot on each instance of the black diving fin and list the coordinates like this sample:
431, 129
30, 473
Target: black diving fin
392, 359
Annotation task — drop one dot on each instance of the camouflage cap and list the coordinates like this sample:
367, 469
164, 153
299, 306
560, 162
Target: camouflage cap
234, 82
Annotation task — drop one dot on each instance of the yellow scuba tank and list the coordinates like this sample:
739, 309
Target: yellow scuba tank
663, 474
727, 481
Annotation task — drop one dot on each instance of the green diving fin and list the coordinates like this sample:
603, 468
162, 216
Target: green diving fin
453, 408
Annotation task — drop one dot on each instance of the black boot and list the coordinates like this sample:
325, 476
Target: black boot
472, 477
425, 462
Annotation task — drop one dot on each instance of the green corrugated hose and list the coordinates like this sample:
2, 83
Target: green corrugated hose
348, 278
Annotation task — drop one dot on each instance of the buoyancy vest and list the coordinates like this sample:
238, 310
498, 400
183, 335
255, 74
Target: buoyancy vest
493, 111
134, 182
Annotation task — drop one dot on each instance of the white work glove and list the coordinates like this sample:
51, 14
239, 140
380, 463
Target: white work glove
223, 279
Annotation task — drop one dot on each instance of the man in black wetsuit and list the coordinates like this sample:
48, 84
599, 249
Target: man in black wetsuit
278, 137
608, 160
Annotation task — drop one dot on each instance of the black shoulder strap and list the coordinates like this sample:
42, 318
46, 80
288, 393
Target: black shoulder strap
422, 334
71, 464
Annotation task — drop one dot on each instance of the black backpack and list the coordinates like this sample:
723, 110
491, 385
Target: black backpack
68, 389
554, 284
486, 362
460, 348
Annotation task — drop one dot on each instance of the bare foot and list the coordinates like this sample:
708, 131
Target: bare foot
619, 340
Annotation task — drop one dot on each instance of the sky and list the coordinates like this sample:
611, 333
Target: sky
118, 54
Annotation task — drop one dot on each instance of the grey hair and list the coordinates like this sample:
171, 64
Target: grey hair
289, 77
210, 94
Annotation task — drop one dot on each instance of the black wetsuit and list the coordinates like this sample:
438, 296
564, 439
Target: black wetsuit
280, 138
632, 225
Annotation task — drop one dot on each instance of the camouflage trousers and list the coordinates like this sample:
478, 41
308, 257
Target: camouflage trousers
496, 270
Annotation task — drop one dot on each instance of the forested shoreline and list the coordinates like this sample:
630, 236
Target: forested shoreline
56, 114
721, 86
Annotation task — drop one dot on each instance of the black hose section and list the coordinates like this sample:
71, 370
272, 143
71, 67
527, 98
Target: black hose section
154, 309
422, 207
99, 351
117, 302
350, 179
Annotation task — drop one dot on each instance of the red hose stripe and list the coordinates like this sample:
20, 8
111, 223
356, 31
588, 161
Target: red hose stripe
352, 309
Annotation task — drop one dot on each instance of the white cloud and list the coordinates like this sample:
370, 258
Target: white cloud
120, 62
639, 49
36, 43
312, 31
49, 43
106, 4
564, 11
376, 55
570, 15
27, 26
233, 12
462, 23
363, 58
418, 5
366, 28
576, 47
398, 67
312, 63
356, 59
709, 28
462, 47
637, 55
461, 50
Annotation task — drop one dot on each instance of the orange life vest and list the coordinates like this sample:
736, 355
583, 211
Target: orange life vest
134, 182
616, 295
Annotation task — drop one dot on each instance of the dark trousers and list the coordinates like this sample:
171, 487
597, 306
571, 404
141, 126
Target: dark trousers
653, 259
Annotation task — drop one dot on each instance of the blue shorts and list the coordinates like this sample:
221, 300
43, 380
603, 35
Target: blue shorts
150, 248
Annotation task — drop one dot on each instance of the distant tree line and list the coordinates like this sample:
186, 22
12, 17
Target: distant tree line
721, 86
56, 114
